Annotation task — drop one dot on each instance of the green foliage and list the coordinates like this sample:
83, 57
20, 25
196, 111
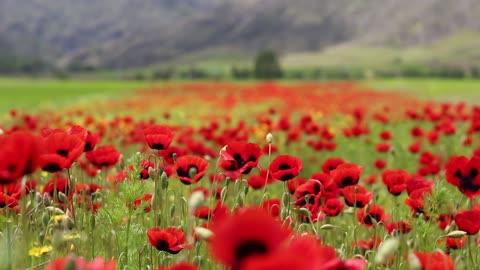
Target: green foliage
267, 66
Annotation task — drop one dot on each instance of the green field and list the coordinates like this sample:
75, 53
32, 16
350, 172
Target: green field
24, 93
440, 89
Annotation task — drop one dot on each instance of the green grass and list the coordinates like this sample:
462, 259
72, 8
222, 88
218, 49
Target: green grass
23, 93
440, 89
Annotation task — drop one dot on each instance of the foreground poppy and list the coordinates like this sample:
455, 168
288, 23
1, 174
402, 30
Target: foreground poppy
285, 167
370, 216
464, 174
250, 232
346, 174
158, 137
104, 156
357, 196
190, 169
171, 240
19, 153
61, 150
434, 260
79, 263
239, 158
468, 221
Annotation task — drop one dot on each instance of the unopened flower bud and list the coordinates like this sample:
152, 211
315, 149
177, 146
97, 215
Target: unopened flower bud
456, 234
269, 137
196, 200
203, 233
386, 249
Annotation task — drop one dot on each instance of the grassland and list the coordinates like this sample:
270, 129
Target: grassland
22, 93
439, 89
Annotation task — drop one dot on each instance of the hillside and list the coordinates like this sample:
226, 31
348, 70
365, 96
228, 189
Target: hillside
125, 33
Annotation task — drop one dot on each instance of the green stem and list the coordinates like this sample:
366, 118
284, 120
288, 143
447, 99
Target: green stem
130, 210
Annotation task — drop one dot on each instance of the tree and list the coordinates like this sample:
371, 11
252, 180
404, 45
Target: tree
267, 66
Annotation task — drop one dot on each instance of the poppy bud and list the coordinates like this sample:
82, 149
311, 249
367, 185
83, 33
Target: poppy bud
164, 181
196, 200
305, 212
197, 260
45, 218
203, 233
223, 194
414, 262
62, 197
269, 138
327, 227
456, 234
151, 172
386, 250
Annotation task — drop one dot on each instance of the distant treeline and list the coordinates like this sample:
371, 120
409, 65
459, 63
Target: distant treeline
266, 66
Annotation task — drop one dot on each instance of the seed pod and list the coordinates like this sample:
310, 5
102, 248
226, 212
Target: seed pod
269, 138
386, 249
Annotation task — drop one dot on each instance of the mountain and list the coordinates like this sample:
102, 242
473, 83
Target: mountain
136, 33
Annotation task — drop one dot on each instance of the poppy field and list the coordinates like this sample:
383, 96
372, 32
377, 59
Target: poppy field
241, 176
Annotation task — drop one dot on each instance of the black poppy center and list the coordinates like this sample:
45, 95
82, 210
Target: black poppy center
88, 147
3, 205
158, 146
369, 219
466, 182
162, 245
186, 173
62, 152
249, 248
284, 166
52, 167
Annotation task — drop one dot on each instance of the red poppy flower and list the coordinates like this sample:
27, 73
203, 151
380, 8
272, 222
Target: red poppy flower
383, 147
380, 163
272, 206
104, 156
146, 165
464, 174
19, 153
171, 240
468, 221
90, 139
61, 150
146, 199
239, 158
347, 174
190, 169
386, 135
70, 262
331, 164
357, 196
416, 201
295, 183
285, 167
455, 243
7, 201
158, 137
203, 212
56, 185
371, 215
332, 207
168, 153
395, 180
415, 147
444, 220
179, 266
434, 260
402, 227
311, 192
248, 233
418, 182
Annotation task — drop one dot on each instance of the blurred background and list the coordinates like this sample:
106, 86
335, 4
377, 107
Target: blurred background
240, 39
